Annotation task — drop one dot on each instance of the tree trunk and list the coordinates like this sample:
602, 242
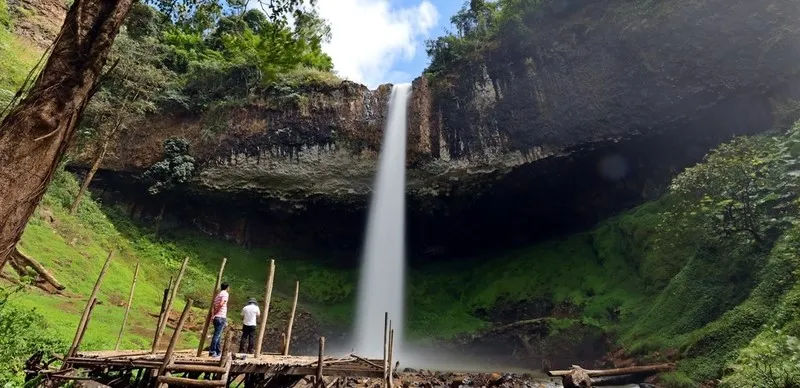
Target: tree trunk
88, 179
37, 132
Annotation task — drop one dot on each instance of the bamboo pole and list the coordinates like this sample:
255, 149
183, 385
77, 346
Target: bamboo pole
262, 326
211, 307
128, 307
175, 287
175, 336
291, 319
385, 343
320, 383
88, 307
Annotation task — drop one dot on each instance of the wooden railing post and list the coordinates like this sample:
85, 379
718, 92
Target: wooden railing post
291, 319
88, 307
174, 339
128, 307
163, 324
262, 326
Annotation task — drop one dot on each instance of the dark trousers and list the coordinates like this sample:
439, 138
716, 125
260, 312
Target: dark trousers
219, 325
249, 335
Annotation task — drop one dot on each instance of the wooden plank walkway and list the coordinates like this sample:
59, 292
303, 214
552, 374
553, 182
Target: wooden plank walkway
265, 364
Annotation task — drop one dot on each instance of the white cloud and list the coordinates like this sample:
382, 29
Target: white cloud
369, 37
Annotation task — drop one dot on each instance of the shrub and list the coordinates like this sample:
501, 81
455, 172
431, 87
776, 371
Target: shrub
771, 360
22, 333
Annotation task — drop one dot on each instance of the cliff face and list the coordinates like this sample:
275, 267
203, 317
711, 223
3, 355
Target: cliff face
590, 113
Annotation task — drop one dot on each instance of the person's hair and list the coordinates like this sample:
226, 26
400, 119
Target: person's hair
223, 286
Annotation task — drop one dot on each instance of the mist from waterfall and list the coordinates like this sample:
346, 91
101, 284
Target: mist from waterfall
382, 283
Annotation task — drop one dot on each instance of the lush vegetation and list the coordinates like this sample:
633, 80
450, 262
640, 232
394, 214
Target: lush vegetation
708, 275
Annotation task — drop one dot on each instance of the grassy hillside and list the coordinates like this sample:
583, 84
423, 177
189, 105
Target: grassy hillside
17, 57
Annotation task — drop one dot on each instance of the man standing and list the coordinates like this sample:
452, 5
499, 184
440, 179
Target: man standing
249, 315
220, 318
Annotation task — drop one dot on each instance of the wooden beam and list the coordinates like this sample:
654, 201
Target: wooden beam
617, 371
211, 307
228, 362
170, 300
88, 306
227, 347
175, 335
262, 326
291, 319
182, 381
176, 367
127, 308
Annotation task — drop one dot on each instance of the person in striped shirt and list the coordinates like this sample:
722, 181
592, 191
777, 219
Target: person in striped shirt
220, 319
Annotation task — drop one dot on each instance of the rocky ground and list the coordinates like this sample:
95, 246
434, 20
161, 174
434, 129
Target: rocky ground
428, 379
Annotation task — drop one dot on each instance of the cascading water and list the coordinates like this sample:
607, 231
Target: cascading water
382, 283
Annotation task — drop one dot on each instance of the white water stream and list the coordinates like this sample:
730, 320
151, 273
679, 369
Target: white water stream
382, 284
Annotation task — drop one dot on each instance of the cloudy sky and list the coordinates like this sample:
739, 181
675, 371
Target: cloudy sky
383, 41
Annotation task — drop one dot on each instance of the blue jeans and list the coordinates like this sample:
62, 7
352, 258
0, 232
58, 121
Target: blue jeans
219, 325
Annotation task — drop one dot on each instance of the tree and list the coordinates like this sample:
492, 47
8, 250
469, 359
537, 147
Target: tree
743, 191
37, 132
175, 169
133, 88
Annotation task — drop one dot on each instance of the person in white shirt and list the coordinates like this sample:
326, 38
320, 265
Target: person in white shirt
249, 315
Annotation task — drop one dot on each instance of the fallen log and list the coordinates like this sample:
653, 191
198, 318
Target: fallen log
615, 371
620, 380
20, 262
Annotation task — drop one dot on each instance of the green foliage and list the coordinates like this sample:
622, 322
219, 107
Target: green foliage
135, 85
23, 332
771, 360
740, 191
176, 168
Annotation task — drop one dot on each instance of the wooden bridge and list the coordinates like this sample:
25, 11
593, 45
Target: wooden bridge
154, 367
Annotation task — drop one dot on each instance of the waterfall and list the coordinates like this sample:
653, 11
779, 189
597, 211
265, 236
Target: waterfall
382, 284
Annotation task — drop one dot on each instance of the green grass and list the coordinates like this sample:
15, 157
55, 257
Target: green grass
74, 248
17, 57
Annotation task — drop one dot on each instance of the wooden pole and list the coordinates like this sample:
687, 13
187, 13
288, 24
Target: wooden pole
164, 301
88, 307
390, 381
291, 319
128, 307
172, 295
262, 326
211, 307
320, 383
85, 326
385, 343
175, 336
227, 347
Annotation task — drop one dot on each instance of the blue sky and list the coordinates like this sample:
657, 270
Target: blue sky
383, 41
